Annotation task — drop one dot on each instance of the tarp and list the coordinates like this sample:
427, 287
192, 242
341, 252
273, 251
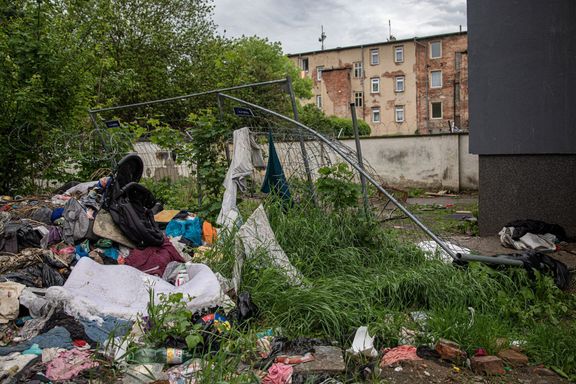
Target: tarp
275, 180
93, 291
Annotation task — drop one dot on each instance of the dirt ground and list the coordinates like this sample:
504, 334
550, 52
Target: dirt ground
428, 371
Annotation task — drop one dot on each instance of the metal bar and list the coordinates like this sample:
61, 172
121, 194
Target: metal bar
187, 96
498, 259
302, 145
357, 167
359, 155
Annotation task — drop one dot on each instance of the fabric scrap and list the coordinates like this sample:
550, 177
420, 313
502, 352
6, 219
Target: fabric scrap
190, 229
12, 364
9, 303
275, 180
394, 355
279, 374
247, 155
57, 337
69, 364
153, 260
100, 331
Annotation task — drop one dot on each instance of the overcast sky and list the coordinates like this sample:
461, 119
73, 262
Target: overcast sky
296, 23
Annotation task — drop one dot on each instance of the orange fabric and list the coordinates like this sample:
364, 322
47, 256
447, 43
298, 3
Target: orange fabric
208, 233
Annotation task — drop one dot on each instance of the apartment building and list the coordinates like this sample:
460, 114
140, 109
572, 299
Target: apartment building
411, 86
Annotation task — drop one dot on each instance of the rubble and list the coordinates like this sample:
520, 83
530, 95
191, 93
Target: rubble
487, 365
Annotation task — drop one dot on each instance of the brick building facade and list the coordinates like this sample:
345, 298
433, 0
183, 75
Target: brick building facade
407, 86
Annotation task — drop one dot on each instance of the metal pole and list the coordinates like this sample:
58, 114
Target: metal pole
145, 103
198, 181
359, 155
360, 170
302, 145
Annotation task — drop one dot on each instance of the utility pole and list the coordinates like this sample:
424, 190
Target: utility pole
322, 36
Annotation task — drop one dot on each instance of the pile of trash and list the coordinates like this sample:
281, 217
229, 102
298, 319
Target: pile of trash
82, 271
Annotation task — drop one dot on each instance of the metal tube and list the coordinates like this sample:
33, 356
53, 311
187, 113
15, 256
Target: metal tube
187, 96
302, 145
357, 167
221, 119
359, 155
499, 259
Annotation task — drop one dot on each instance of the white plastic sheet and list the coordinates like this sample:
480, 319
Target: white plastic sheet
434, 252
256, 237
93, 290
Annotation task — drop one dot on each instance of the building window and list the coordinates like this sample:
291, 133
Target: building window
399, 113
319, 101
436, 79
374, 56
358, 69
375, 85
399, 83
399, 54
436, 110
376, 114
436, 49
458, 61
358, 99
304, 64
319, 72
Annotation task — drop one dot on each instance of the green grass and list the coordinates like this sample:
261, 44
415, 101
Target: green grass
356, 274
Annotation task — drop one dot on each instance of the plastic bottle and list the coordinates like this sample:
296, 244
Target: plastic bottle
162, 355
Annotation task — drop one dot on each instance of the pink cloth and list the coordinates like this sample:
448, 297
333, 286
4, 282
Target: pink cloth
278, 374
153, 260
69, 364
401, 353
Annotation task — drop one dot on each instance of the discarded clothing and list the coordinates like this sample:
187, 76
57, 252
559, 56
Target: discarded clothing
184, 373
42, 215
105, 227
19, 236
257, 236
246, 156
61, 319
76, 226
81, 188
26, 258
100, 332
190, 229
395, 355
69, 364
544, 263
12, 364
9, 303
94, 291
543, 242
432, 251
278, 374
209, 233
53, 236
39, 275
57, 337
275, 180
153, 260
522, 227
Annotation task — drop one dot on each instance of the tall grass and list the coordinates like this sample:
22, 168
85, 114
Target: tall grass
357, 274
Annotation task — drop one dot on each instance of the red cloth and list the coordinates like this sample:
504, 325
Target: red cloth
153, 260
278, 374
401, 353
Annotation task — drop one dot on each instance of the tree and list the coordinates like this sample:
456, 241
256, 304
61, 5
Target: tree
315, 118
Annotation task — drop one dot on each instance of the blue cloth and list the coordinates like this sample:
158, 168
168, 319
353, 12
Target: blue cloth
190, 229
275, 180
56, 214
101, 332
57, 337
111, 253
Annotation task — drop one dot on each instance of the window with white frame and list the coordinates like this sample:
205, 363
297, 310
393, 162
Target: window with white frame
374, 56
436, 110
436, 79
399, 54
376, 114
319, 101
358, 99
435, 49
358, 69
399, 84
304, 64
319, 72
399, 113
375, 85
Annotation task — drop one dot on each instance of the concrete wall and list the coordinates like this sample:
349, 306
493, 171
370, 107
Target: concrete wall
431, 161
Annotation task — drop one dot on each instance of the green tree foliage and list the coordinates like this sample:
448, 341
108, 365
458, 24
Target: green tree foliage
313, 117
58, 58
